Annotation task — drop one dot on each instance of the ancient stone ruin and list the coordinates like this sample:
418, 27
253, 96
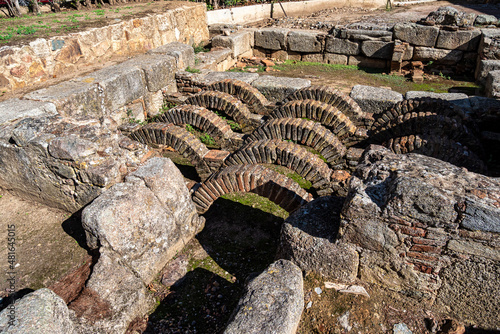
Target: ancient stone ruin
403, 195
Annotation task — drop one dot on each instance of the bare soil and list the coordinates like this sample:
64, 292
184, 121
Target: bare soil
47, 243
409, 13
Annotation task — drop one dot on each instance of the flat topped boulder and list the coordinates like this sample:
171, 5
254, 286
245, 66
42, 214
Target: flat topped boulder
276, 89
242, 76
14, 109
272, 302
183, 53
308, 239
39, 312
375, 99
145, 219
459, 99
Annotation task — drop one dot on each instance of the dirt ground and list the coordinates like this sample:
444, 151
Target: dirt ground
409, 13
46, 243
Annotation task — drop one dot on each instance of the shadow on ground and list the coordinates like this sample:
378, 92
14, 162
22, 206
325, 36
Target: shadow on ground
238, 240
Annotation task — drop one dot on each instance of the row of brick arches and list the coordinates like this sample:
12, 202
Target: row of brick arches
304, 132
263, 181
432, 127
327, 121
292, 156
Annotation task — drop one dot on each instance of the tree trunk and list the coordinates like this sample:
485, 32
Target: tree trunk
33, 7
54, 6
14, 9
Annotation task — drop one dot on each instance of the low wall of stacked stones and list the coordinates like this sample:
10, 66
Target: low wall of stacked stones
43, 59
383, 46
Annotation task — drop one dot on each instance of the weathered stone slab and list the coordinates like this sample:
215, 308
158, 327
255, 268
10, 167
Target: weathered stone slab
484, 67
120, 84
272, 302
216, 60
416, 34
465, 40
277, 88
56, 162
448, 15
439, 55
240, 43
489, 47
271, 38
375, 100
183, 53
377, 49
71, 147
485, 19
333, 58
305, 41
75, 97
308, 240
366, 35
341, 46
313, 57
159, 70
459, 99
41, 311
145, 219
14, 109
242, 76
492, 85
367, 62
118, 288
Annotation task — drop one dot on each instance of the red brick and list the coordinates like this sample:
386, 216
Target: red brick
413, 231
421, 256
423, 241
216, 155
397, 220
423, 268
426, 248
419, 224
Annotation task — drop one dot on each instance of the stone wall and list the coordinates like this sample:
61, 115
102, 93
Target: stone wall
36, 62
427, 229
375, 46
60, 145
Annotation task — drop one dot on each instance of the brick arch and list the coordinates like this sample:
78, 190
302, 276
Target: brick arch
335, 98
303, 132
251, 178
326, 114
429, 123
290, 155
438, 147
425, 105
199, 117
228, 104
179, 139
254, 100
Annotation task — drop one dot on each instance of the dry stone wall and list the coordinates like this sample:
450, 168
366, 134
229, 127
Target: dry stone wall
373, 46
60, 145
430, 228
46, 58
